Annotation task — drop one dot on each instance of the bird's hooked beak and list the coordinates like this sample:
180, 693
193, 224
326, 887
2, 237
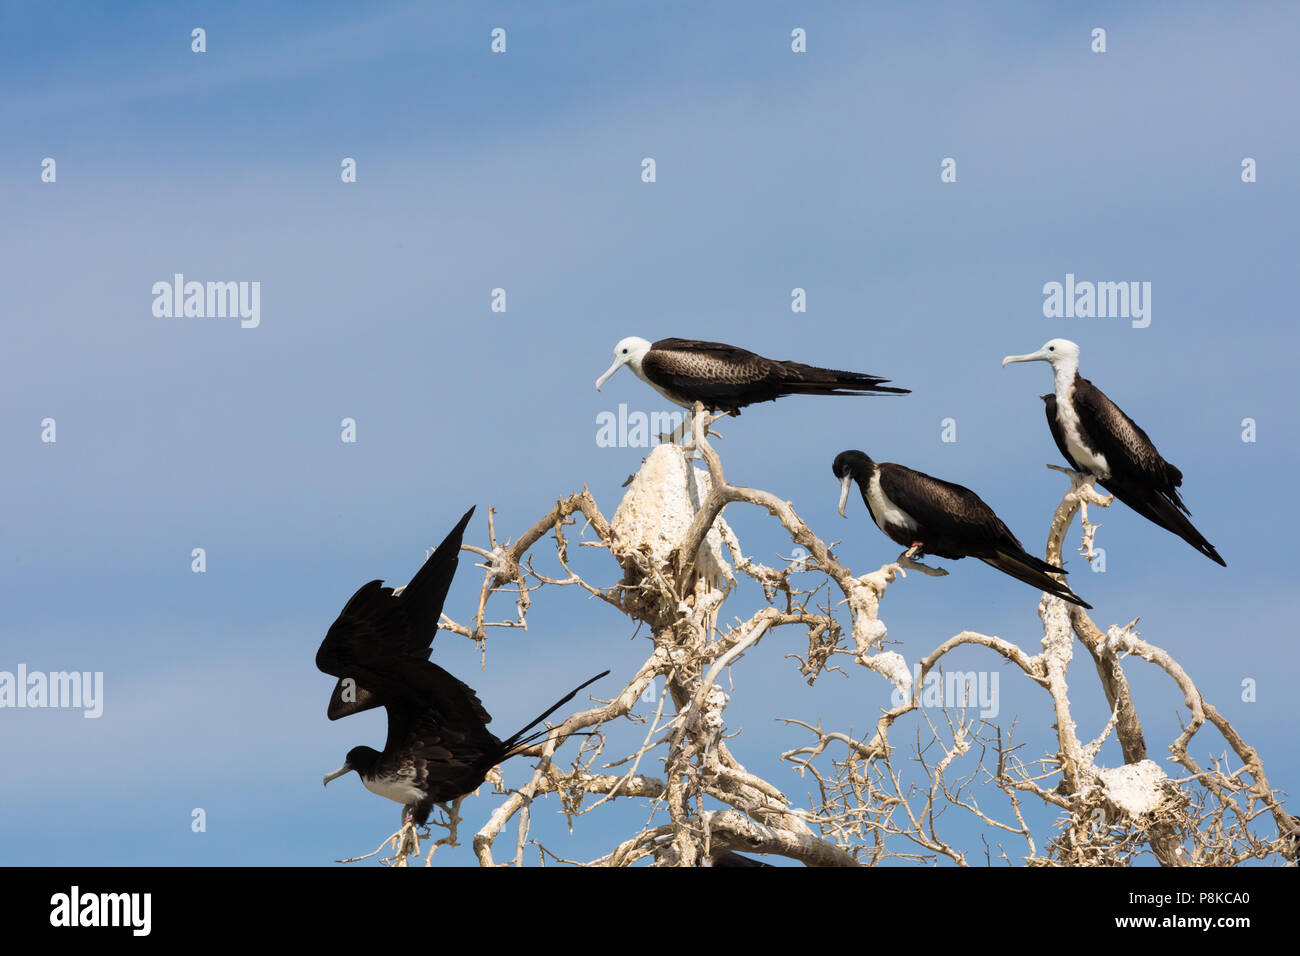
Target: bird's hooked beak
845, 482
1039, 356
618, 363
346, 768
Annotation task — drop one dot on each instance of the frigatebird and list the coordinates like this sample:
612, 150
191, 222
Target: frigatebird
438, 746
726, 378
730, 858
1097, 438
929, 515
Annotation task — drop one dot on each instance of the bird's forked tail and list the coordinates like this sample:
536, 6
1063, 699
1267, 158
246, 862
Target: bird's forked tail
522, 739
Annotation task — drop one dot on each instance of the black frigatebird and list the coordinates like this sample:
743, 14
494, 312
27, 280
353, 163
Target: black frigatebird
726, 378
730, 858
928, 515
438, 746
1097, 438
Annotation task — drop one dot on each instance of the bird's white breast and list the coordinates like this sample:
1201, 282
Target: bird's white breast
1072, 430
885, 512
398, 789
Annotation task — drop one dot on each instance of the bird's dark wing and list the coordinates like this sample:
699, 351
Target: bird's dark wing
1036, 572
377, 630
423, 598
715, 350
723, 376
798, 378
706, 371
357, 632
962, 525
1139, 475
953, 510
358, 643
1050, 401
423, 696
730, 858
1129, 452
438, 726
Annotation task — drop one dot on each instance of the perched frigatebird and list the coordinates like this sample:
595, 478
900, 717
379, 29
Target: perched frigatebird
438, 746
726, 379
1097, 438
730, 858
928, 515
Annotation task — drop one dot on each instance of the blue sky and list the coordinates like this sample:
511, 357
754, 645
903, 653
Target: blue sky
522, 171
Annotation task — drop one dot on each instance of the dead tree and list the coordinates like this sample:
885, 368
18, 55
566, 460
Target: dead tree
677, 562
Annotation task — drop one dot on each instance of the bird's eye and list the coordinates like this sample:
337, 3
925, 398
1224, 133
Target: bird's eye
1051, 348
625, 351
